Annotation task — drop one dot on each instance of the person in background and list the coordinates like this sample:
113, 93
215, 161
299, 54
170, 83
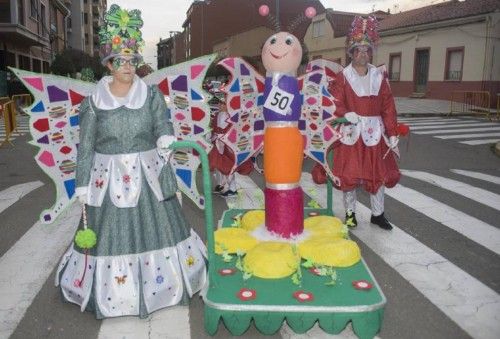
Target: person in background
220, 157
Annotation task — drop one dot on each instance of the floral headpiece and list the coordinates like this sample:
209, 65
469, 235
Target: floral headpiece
121, 34
364, 32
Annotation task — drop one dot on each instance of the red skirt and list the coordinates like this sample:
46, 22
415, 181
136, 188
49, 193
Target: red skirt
224, 162
361, 165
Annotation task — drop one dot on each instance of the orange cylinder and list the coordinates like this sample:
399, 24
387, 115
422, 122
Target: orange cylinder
283, 155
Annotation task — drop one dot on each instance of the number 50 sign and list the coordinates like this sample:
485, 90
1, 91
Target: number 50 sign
279, 101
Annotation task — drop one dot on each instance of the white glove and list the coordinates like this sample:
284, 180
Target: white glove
163, 143
81, 194
352, 117
393, 142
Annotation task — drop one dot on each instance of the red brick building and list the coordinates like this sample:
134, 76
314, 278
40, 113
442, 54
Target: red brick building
211, 21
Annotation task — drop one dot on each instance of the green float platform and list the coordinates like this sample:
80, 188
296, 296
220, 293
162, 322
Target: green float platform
333, 306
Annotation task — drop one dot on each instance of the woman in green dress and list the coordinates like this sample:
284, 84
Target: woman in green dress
146, 257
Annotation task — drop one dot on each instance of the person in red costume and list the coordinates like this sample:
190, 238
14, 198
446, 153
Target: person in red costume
221, 159
363, 97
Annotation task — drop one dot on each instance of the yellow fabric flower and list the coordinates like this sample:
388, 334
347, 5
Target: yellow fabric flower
232, 240
271, 260
323, 225
330, 251
253, 219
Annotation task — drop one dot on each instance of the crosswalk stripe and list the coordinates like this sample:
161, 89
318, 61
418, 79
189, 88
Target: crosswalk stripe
172, 322
475, 124
249, 196
14, 193
469, 303
424, 118
460, 130
477, 194
26, 266
438, 122
479, 142
471, 135
478, 231
477, 175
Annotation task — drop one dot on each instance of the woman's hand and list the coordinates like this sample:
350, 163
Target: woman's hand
163, 143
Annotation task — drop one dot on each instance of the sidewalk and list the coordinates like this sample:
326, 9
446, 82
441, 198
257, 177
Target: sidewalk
421, 107
427, 107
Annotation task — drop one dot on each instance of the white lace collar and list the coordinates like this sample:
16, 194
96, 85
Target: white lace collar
355, 80
135, 98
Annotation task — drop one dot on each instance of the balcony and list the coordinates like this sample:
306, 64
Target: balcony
21, 35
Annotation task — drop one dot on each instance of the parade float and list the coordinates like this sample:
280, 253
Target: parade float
285, 262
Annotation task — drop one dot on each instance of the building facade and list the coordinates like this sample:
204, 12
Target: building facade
326, 36
208, 24
434, 50
31, 33
87, 16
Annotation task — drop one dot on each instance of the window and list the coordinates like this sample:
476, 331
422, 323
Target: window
37, 65
454, 63
20, 12
86, 38
85, 18
42, 20
318, 28
5, 11
46, 67
24, 62
34, 8
394, 66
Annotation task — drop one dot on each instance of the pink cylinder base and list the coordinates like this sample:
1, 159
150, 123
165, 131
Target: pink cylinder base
284, 211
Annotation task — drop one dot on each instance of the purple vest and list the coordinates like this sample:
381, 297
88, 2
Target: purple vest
284, 104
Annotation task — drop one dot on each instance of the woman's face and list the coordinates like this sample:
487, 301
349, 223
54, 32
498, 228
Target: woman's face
123, 68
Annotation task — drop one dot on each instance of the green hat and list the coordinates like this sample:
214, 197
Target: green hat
121, 34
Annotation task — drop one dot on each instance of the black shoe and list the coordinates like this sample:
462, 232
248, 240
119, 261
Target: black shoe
229, 193
218, 189
381, 221
350, 219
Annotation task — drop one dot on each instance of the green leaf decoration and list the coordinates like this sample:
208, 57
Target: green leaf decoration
308, 264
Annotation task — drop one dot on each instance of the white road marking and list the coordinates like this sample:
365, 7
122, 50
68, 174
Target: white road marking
434, 126
172, 322
10, 195
460, 130
249, 196
478, 175
469, 303
477, 194
479, 142
26, 266
465, 136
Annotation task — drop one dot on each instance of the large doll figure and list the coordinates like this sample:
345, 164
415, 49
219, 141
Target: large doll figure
283, 144
145, 258
363, 96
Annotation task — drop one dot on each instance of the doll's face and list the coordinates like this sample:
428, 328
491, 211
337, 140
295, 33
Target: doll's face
282, 52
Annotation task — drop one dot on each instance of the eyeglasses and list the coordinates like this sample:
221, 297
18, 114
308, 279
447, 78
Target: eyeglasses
361, 50
121, 61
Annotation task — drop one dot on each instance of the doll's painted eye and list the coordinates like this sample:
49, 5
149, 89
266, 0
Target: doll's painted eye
289, 40
273, 40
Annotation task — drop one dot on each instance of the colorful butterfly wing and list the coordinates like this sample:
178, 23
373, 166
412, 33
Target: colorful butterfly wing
190, 114
55, 130
245, 99
318, 108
